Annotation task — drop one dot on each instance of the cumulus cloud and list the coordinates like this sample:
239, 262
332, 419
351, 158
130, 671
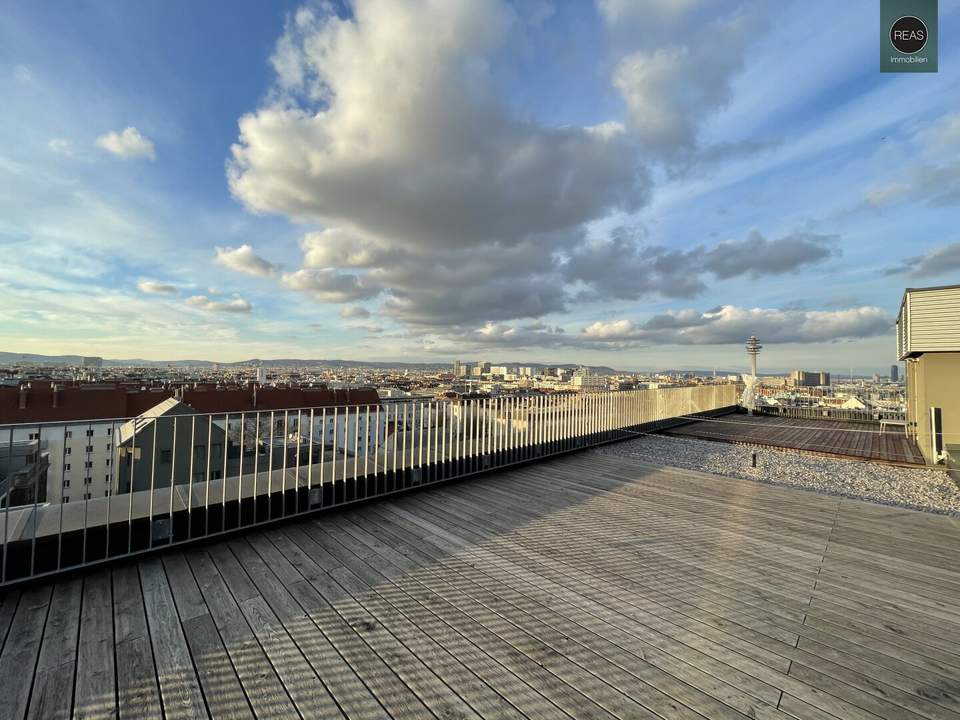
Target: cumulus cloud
430, 188
202, 302
243, 259
671, 89
128, 144
155, 288
938, 261
729, 324
354, 312
621, 267
329, 286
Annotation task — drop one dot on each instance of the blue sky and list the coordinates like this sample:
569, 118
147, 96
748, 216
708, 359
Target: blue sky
638, 184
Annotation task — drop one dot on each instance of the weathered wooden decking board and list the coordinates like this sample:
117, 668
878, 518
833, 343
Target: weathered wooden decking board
588, 586
827, 437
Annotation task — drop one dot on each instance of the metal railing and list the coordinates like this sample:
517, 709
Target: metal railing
125, 486
831, 413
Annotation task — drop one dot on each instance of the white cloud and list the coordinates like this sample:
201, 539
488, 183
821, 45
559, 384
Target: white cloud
728, 324
202, 302
329, 286
354, 312
937, 261
243, 259
128, 144
22, 74
429, 186
155, 288
61, 146
671, 89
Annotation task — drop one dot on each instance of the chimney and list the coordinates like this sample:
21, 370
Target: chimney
56, 395
23, 397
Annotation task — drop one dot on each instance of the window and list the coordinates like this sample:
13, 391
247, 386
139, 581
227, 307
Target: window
68, 450
88, 464
106, 493
87, 496
107, 462
69, 434
109, 431
87, 480
108, 446
217, 474
66, 483
106, 478
166, 457
66, 468
90, 433
89, 448
66, 498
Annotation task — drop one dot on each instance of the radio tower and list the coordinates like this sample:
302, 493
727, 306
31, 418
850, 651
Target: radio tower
753, 349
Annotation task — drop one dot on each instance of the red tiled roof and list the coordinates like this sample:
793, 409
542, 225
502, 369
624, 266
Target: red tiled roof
94, 402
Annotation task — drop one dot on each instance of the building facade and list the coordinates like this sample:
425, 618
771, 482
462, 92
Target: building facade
928, 341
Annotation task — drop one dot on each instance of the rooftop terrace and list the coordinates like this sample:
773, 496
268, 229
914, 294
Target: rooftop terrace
826, 437
585, 586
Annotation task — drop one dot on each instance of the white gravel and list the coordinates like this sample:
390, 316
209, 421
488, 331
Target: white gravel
920, 489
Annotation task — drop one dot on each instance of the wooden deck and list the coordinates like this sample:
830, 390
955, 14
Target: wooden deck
588, 586
826, 437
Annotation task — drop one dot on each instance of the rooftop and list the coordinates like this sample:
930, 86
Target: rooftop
586, 586
852, 440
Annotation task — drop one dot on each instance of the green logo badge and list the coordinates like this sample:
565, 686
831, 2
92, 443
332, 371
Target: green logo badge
908, 36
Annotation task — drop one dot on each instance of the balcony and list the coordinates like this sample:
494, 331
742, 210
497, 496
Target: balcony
583, 586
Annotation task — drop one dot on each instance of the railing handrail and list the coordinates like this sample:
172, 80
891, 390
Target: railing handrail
182, 477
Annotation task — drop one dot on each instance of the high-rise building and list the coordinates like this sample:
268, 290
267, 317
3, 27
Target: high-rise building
92, 362
894, 373
802, 378
457, 368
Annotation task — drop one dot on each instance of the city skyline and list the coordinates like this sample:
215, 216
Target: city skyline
519, 181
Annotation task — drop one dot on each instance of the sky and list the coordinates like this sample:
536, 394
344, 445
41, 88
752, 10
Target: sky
635, 183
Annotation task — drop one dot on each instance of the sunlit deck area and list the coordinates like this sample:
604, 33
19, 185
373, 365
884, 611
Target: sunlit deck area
586, 586
825, 437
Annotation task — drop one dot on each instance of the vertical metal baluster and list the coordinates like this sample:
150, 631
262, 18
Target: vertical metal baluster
283, 472
153, 479
403, 458
296, 484
346, 429
193, 435
269, 471
323, 440
243, 435
310, 460
173, 479
356, 447
376, 446
366, 442
396, 431
36, 505
63, 472
6, 511
223, 476
130, 489
420, 440
256, 463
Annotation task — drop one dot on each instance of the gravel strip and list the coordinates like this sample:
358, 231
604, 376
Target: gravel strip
919, 489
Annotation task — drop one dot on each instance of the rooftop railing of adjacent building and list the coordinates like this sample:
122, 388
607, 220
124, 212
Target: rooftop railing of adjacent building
177, 478
870, 416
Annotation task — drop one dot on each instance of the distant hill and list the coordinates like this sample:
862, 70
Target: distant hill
8, 358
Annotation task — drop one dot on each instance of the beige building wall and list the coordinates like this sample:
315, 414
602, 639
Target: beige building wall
933, 380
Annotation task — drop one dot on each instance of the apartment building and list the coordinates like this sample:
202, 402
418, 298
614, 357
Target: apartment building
928, 341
